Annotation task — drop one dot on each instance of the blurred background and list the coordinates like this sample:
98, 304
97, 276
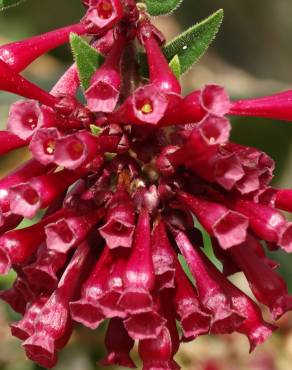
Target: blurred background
251, 56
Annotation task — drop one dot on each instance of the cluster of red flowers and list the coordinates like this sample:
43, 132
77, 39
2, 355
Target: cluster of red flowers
121, 198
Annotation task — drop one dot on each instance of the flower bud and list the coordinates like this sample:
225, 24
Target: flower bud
53, 325
86, 310
226, 317
227, 226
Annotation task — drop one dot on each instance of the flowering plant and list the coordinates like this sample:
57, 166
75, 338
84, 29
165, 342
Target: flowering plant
127, 180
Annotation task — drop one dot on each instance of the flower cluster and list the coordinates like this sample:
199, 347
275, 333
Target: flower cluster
121, 180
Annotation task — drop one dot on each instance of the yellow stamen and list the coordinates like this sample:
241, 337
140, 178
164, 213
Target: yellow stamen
147, 108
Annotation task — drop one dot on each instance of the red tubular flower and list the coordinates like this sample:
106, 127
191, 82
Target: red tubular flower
266, 222
28, 197
22, 173
167, 311
272, 290
119, 228
211, 99
70, 231
19, 295
12, 82
108, 301
193, 319
225, 170
202, 142
157, 353
283, 199
25, 117
259, 250
160, 73
18, 55
17, 246
229, 265
211, 132
9, 221
105, 43
215, 299
68, 84
118, 344
163, 259
139, 276
102, 15
72, 151
147, 105
227, 226
146, 325
257, 166
277, 106
24, 328
285, 241
104, 90
9, 142
66, 89
99, 191
42, 274
43, 144
146, 198
203, 154
85, 310
71, 114
53, 326
253, 326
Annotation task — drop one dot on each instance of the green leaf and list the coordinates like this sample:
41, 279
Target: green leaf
186, 268
87, 59
159, 7
7, 280
95, 130
4, 4
208, 249
192, 44
175, 66
109, 156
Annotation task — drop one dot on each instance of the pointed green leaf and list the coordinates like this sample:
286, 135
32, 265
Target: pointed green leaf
192, 44
175, 66
208, 249
4, 4
159, 7
87, 59
186, 268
